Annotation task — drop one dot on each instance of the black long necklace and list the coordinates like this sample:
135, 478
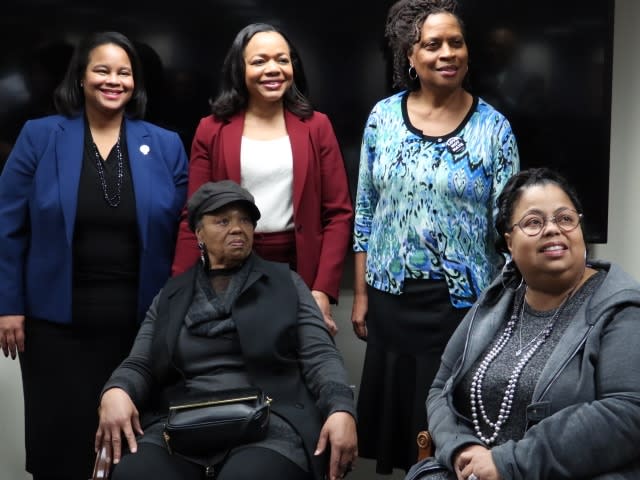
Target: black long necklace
112, 200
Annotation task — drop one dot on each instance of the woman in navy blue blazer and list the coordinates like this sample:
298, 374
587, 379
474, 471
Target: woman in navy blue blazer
89, 207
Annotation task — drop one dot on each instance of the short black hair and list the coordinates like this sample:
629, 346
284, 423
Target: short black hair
513, 190
233, 95
403, 29
69, 97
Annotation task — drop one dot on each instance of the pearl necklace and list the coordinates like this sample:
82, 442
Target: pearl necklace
477, 404
112, 200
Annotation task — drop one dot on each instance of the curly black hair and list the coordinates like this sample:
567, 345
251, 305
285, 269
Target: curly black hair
403, 29
513, 190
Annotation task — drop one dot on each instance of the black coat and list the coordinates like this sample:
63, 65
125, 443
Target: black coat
267, 317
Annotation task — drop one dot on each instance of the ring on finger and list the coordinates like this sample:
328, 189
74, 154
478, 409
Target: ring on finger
473, 476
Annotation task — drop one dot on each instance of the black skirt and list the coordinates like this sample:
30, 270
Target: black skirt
406, 337
63, 372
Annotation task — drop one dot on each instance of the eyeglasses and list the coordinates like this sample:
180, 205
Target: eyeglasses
532, 224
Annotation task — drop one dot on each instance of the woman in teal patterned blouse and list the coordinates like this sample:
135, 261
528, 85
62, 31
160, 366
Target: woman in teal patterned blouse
433, 160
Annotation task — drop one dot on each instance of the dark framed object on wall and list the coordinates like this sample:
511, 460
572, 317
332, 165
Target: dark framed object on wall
546, 65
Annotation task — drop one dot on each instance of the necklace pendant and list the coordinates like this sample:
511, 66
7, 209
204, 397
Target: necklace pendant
518, 352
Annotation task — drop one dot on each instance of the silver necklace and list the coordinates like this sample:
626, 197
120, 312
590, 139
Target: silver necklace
478, 411
541, 332
114, 199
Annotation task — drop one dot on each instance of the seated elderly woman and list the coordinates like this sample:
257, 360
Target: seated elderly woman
232, 321
542, 378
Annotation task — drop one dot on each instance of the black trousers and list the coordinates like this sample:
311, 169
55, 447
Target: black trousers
153, 461
63, 371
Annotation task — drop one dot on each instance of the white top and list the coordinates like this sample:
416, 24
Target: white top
266, 170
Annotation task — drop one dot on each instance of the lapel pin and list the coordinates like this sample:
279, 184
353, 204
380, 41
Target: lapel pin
456, 145
144, 149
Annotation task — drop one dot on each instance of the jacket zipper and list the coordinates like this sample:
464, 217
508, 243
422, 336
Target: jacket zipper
564, 365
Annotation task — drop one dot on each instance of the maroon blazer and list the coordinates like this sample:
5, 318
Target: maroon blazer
322, 211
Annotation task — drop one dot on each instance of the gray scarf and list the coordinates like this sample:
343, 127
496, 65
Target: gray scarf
210, 311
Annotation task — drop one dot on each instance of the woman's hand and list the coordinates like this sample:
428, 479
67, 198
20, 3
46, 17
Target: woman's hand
360, 298
12, 334
339, 431
476, 460
359, 315
322, 299
117, 414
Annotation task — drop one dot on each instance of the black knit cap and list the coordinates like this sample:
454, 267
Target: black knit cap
214, 195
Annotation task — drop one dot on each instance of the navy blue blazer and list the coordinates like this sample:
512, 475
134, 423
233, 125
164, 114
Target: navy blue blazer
38, 200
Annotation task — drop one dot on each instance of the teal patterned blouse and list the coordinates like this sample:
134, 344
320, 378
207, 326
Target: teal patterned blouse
425, 206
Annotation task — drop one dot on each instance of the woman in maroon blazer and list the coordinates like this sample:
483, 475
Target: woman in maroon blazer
264, 134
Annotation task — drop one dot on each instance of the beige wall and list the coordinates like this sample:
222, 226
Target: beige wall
623, 236
11, 422
624, 187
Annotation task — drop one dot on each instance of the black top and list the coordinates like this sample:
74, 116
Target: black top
106, 254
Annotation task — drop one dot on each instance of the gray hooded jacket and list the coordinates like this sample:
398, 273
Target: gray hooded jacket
584, 419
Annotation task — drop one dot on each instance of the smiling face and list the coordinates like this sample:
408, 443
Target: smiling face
268, 67
553, 255
108, 82
440, 57
227, 234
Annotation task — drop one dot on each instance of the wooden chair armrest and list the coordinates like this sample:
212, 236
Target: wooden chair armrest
425, 445
102, 467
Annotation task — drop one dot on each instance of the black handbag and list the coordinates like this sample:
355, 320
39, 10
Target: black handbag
218, 422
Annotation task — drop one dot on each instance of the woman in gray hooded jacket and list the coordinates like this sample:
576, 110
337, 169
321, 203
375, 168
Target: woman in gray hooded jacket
542, 378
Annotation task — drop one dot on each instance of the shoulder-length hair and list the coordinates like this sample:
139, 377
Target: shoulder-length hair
403, 29
69, 97
233, 95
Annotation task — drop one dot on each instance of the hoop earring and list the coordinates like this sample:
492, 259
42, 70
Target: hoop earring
413, 75
509, 271
202, 257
